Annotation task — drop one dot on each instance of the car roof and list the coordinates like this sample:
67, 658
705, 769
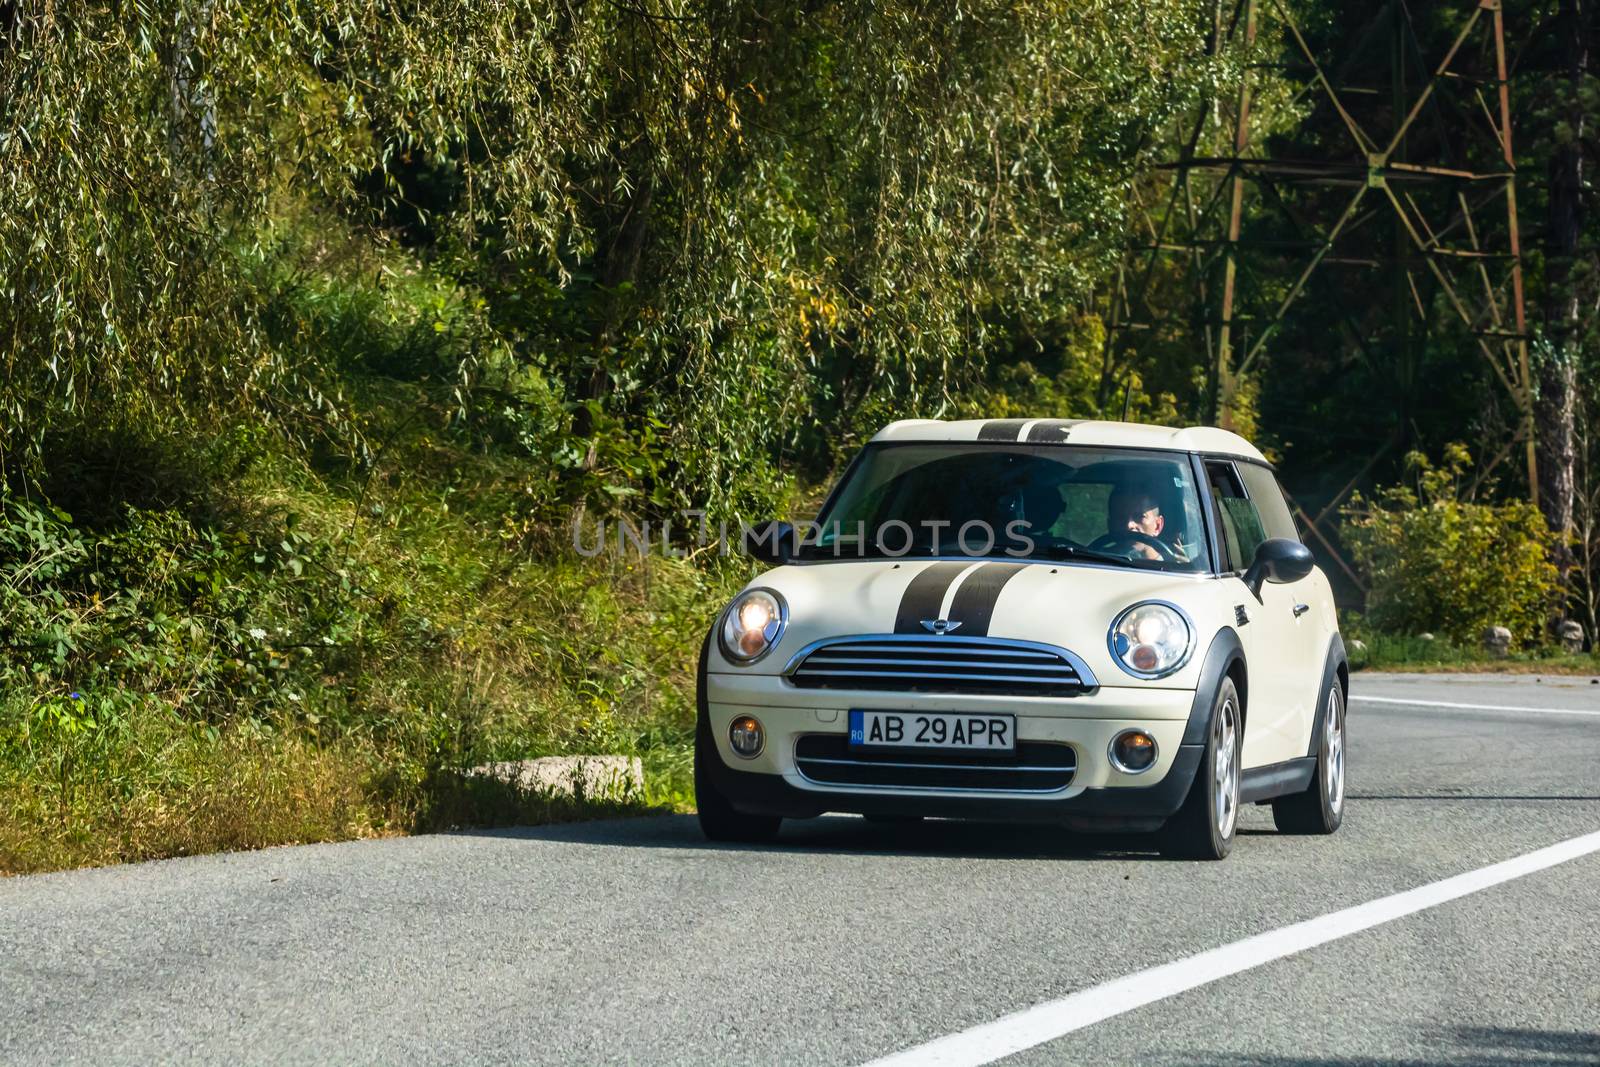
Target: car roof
1073, 432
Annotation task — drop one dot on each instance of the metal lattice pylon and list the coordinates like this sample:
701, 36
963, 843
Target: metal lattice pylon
1435, 155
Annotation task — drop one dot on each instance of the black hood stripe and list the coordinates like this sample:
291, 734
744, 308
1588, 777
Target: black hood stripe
974, 601
924, 596
1051, 431
1001, 429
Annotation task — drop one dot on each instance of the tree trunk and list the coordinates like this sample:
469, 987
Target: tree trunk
192, 108
620, 268
1557, 373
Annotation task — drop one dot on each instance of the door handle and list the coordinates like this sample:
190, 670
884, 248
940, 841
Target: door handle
1301, 609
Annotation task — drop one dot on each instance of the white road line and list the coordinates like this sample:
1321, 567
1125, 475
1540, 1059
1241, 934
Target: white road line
1045, 1022
1472, 707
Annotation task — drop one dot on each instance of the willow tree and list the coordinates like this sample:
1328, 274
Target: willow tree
736, 215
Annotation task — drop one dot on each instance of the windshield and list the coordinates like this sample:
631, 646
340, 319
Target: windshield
1110, 505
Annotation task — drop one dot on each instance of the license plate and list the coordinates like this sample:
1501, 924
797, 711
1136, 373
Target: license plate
933, 729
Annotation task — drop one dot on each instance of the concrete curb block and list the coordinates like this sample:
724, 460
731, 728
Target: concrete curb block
592, 777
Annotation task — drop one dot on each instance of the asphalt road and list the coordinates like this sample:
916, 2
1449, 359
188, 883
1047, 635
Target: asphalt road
636, 941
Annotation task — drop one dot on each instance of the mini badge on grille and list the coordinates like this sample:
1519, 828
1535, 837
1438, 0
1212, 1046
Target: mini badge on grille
940, 626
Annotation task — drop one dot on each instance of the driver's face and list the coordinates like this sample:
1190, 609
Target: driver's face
1149, 522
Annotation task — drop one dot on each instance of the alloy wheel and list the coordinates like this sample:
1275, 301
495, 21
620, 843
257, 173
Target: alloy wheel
1333, 749
1225, 771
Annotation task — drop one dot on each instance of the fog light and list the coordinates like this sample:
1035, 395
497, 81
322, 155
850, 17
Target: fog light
1133, 752
746, 736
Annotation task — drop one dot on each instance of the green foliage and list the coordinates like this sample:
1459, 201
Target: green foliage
1055, 370
213, 623
293, 655
1443, 564
688, 230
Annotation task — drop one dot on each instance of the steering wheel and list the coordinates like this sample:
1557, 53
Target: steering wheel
1123, 542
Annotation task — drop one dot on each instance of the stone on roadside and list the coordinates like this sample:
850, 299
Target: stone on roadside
1497, 641
1570, 631
1425, 636
591, 777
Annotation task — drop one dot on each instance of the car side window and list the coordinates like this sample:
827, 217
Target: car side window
1267, 495
1242, 530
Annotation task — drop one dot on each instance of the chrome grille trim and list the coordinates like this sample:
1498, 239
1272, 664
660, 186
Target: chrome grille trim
822, 657
947, 664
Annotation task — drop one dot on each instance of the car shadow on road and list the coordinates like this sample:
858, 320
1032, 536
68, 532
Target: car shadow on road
1478, 1046
851, 835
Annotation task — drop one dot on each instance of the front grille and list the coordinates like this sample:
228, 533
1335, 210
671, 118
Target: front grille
1035, 767
942, 665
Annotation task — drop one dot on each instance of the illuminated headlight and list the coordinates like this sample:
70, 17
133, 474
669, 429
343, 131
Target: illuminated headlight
752, 624
1151, 640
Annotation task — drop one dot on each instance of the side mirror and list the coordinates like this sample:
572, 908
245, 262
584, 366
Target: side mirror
1278, 559
771, 541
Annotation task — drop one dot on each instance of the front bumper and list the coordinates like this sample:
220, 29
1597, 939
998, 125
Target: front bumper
1098, 796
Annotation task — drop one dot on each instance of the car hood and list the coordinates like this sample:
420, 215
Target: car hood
1070, 605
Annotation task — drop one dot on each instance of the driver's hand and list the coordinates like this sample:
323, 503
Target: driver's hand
1144, 550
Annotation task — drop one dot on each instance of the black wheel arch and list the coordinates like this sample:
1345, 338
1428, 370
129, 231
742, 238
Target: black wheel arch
1224, 659
1335, 668
702, 710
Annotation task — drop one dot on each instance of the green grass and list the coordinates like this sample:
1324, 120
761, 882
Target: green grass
395, 634
1390, 652
159, 787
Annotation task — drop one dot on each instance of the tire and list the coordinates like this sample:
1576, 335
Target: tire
1320, 809
719, 821
1204, 828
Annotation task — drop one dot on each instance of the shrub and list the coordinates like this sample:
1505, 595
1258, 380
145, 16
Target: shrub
1441, 563
260, 653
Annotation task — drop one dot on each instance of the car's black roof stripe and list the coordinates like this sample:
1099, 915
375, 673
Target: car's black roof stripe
1001, 429
974, 602
1051, 431
924, 596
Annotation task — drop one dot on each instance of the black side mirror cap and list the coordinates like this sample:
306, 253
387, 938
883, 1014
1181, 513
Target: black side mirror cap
1278, 559
771, 541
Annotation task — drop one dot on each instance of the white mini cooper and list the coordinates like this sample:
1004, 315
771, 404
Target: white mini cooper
1100, 625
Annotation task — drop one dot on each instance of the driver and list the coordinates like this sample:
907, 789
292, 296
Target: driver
1135, 510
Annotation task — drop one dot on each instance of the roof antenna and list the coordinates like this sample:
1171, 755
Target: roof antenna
1127, 388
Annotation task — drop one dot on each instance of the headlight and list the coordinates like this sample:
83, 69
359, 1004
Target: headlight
1151, 640
751, 625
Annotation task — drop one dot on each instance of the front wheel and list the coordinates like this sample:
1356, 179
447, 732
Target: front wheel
1203, 829
719, 820
1320, 809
